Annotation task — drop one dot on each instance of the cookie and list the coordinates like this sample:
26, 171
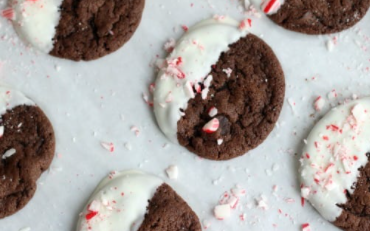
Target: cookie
77, 30
27, 147
335, 166
134, 200
220, 91
316, 16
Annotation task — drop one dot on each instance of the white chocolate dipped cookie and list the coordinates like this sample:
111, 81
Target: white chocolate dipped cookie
133, 200
220, 91
334, 169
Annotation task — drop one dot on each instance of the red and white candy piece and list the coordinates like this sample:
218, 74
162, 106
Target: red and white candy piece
245, 24
94, 206
228, 72
306, 227
271, 6
8, 14
222, 211
212, 126
108, 146
93, 210
319, 103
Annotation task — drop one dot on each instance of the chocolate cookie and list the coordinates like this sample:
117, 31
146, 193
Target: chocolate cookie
26, 150
167, 211
133, 200
235, 107
77, 29
319, 16
335, 167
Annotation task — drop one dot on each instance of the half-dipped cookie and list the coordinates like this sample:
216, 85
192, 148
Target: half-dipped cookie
76, 29
220, 91
315, 16
27, 146
335, 167
133, 200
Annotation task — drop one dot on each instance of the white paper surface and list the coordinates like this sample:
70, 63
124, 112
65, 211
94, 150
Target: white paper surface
87, 101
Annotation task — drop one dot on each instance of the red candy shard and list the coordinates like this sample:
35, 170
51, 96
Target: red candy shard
91, 215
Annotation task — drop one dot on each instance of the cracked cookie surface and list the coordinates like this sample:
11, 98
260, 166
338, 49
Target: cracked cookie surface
167, 211
320, 16
90, 29
356, 211
248, 102
28, 132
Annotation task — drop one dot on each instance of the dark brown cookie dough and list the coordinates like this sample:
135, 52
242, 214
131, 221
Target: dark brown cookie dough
90, 29
167, 211
320, 16
356, 212
248, 102
29, 132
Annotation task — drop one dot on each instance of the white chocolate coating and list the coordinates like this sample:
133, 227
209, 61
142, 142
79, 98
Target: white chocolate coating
336, 148
119, 202
36, 21
187, 65
10, 98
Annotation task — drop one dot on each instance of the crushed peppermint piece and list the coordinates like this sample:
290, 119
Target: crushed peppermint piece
174, 67
147, 101
9, 153
108, 146
189, 90
270, 6
220, 141
212, 126
206, 224
305, 192
212, 112
245, 24
128, 146
135, 130
319, 103
238, 192
172, 172
306, 227
262, 203
94, 206
222, 212
219, 17
330, 45
8, 14
228, 72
